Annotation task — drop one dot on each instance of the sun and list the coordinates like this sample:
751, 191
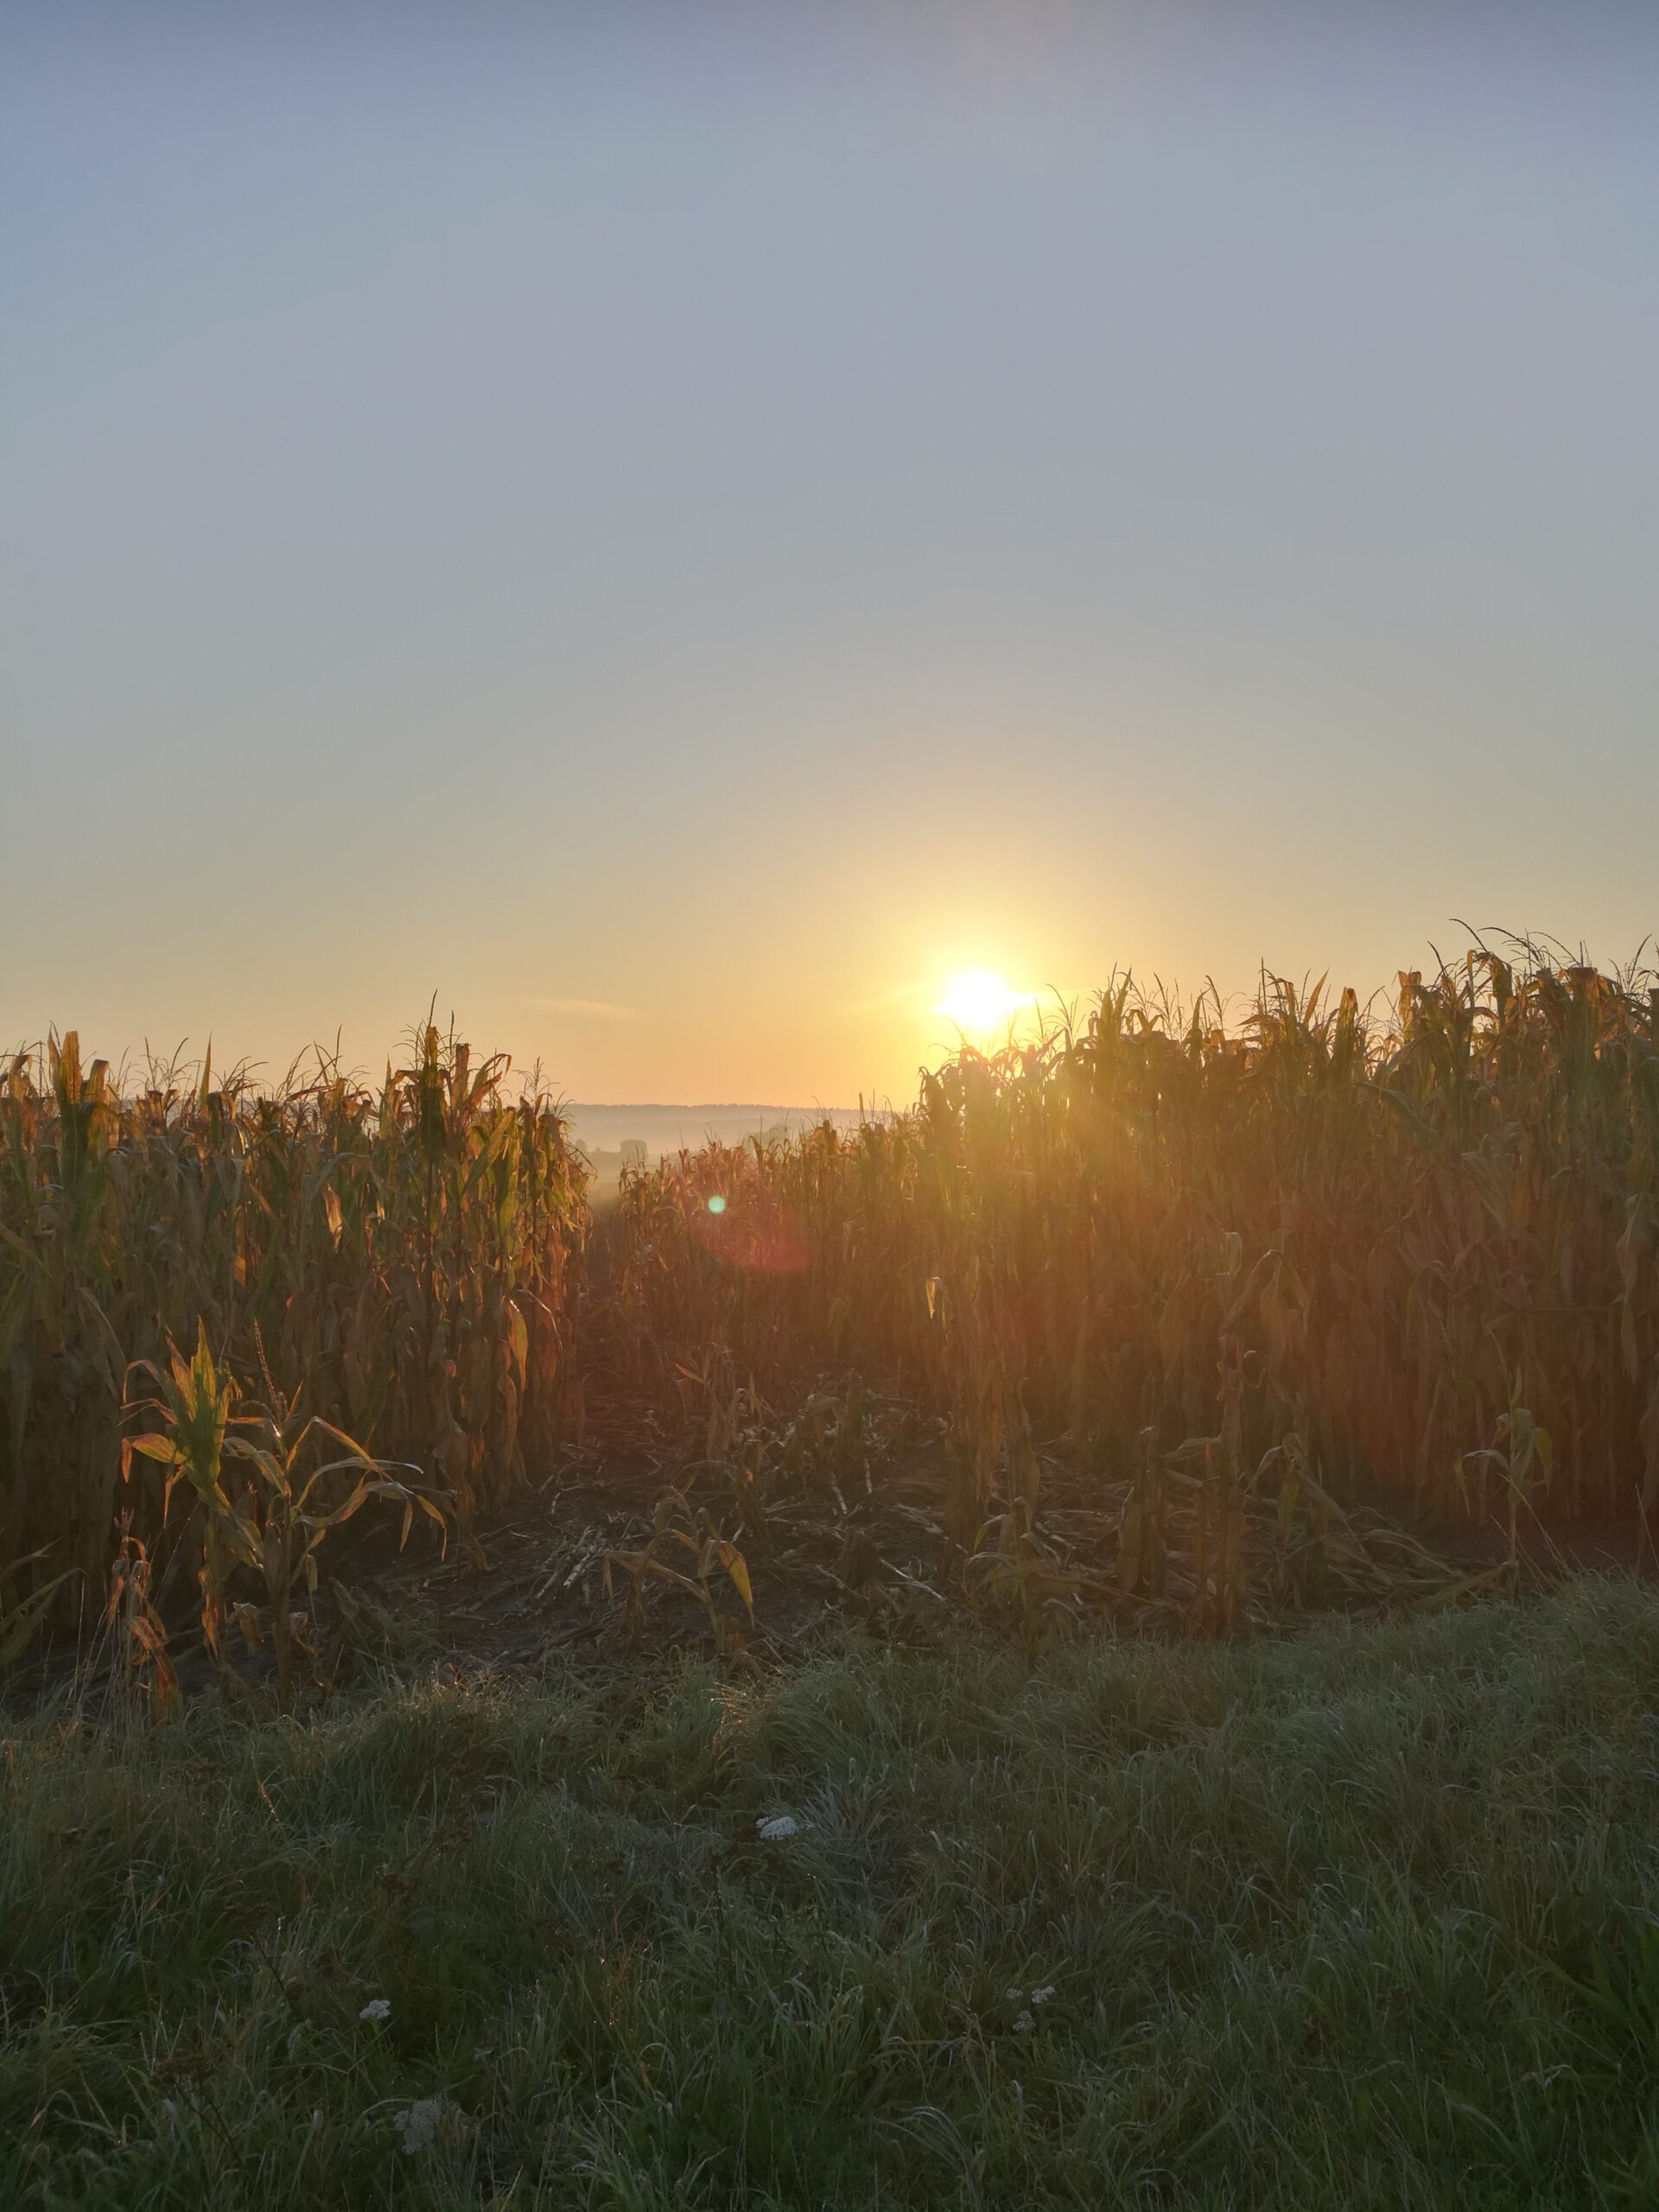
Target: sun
978, 1001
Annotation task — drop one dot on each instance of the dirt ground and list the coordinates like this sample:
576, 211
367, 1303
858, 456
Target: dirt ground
867, 1537
630, 1539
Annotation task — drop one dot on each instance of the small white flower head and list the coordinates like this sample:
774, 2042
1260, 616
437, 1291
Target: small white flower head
377, 2008
1041, 1996
418, 2123
778, 1828
1023, 2025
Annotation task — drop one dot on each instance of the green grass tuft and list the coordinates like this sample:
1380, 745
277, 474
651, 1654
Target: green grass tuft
1361, 1918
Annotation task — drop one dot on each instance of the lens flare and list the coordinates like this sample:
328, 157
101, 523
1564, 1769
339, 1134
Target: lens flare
755, 1231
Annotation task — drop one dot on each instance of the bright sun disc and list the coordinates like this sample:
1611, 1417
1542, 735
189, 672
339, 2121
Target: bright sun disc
978, 1000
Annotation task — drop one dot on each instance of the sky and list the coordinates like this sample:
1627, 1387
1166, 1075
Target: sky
670, 530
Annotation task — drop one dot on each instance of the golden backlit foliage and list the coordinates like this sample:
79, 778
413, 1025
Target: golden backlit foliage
1417, 1251
397, 1258
1203, 1293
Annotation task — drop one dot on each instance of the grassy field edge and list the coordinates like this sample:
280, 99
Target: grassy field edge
1358, 1916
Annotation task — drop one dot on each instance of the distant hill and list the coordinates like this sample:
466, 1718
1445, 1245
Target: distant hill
664, 1127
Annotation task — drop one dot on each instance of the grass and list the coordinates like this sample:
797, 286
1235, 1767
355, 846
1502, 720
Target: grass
1358, 1917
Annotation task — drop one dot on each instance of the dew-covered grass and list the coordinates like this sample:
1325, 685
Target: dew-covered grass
1357, 1917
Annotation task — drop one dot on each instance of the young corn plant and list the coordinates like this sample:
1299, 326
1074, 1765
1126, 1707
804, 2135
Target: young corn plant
195, 1407
1012, 1568
279, 1514
677, 1528
289, 1513
1523, 1458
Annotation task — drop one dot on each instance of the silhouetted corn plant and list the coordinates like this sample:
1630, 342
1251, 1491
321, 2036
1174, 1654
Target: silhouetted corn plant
1404, 1228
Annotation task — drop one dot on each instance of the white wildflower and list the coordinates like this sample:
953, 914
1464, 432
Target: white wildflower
1023, 2025
377, 2008
418, 2123
778, 1828
1041, 1996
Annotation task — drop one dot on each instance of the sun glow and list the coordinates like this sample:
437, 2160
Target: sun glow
978, 1001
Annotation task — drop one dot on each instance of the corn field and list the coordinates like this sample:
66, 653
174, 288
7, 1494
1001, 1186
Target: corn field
397, 1261
1198, 1292
1418, 1252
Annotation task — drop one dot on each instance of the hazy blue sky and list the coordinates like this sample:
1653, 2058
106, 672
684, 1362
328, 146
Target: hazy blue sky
677, 526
